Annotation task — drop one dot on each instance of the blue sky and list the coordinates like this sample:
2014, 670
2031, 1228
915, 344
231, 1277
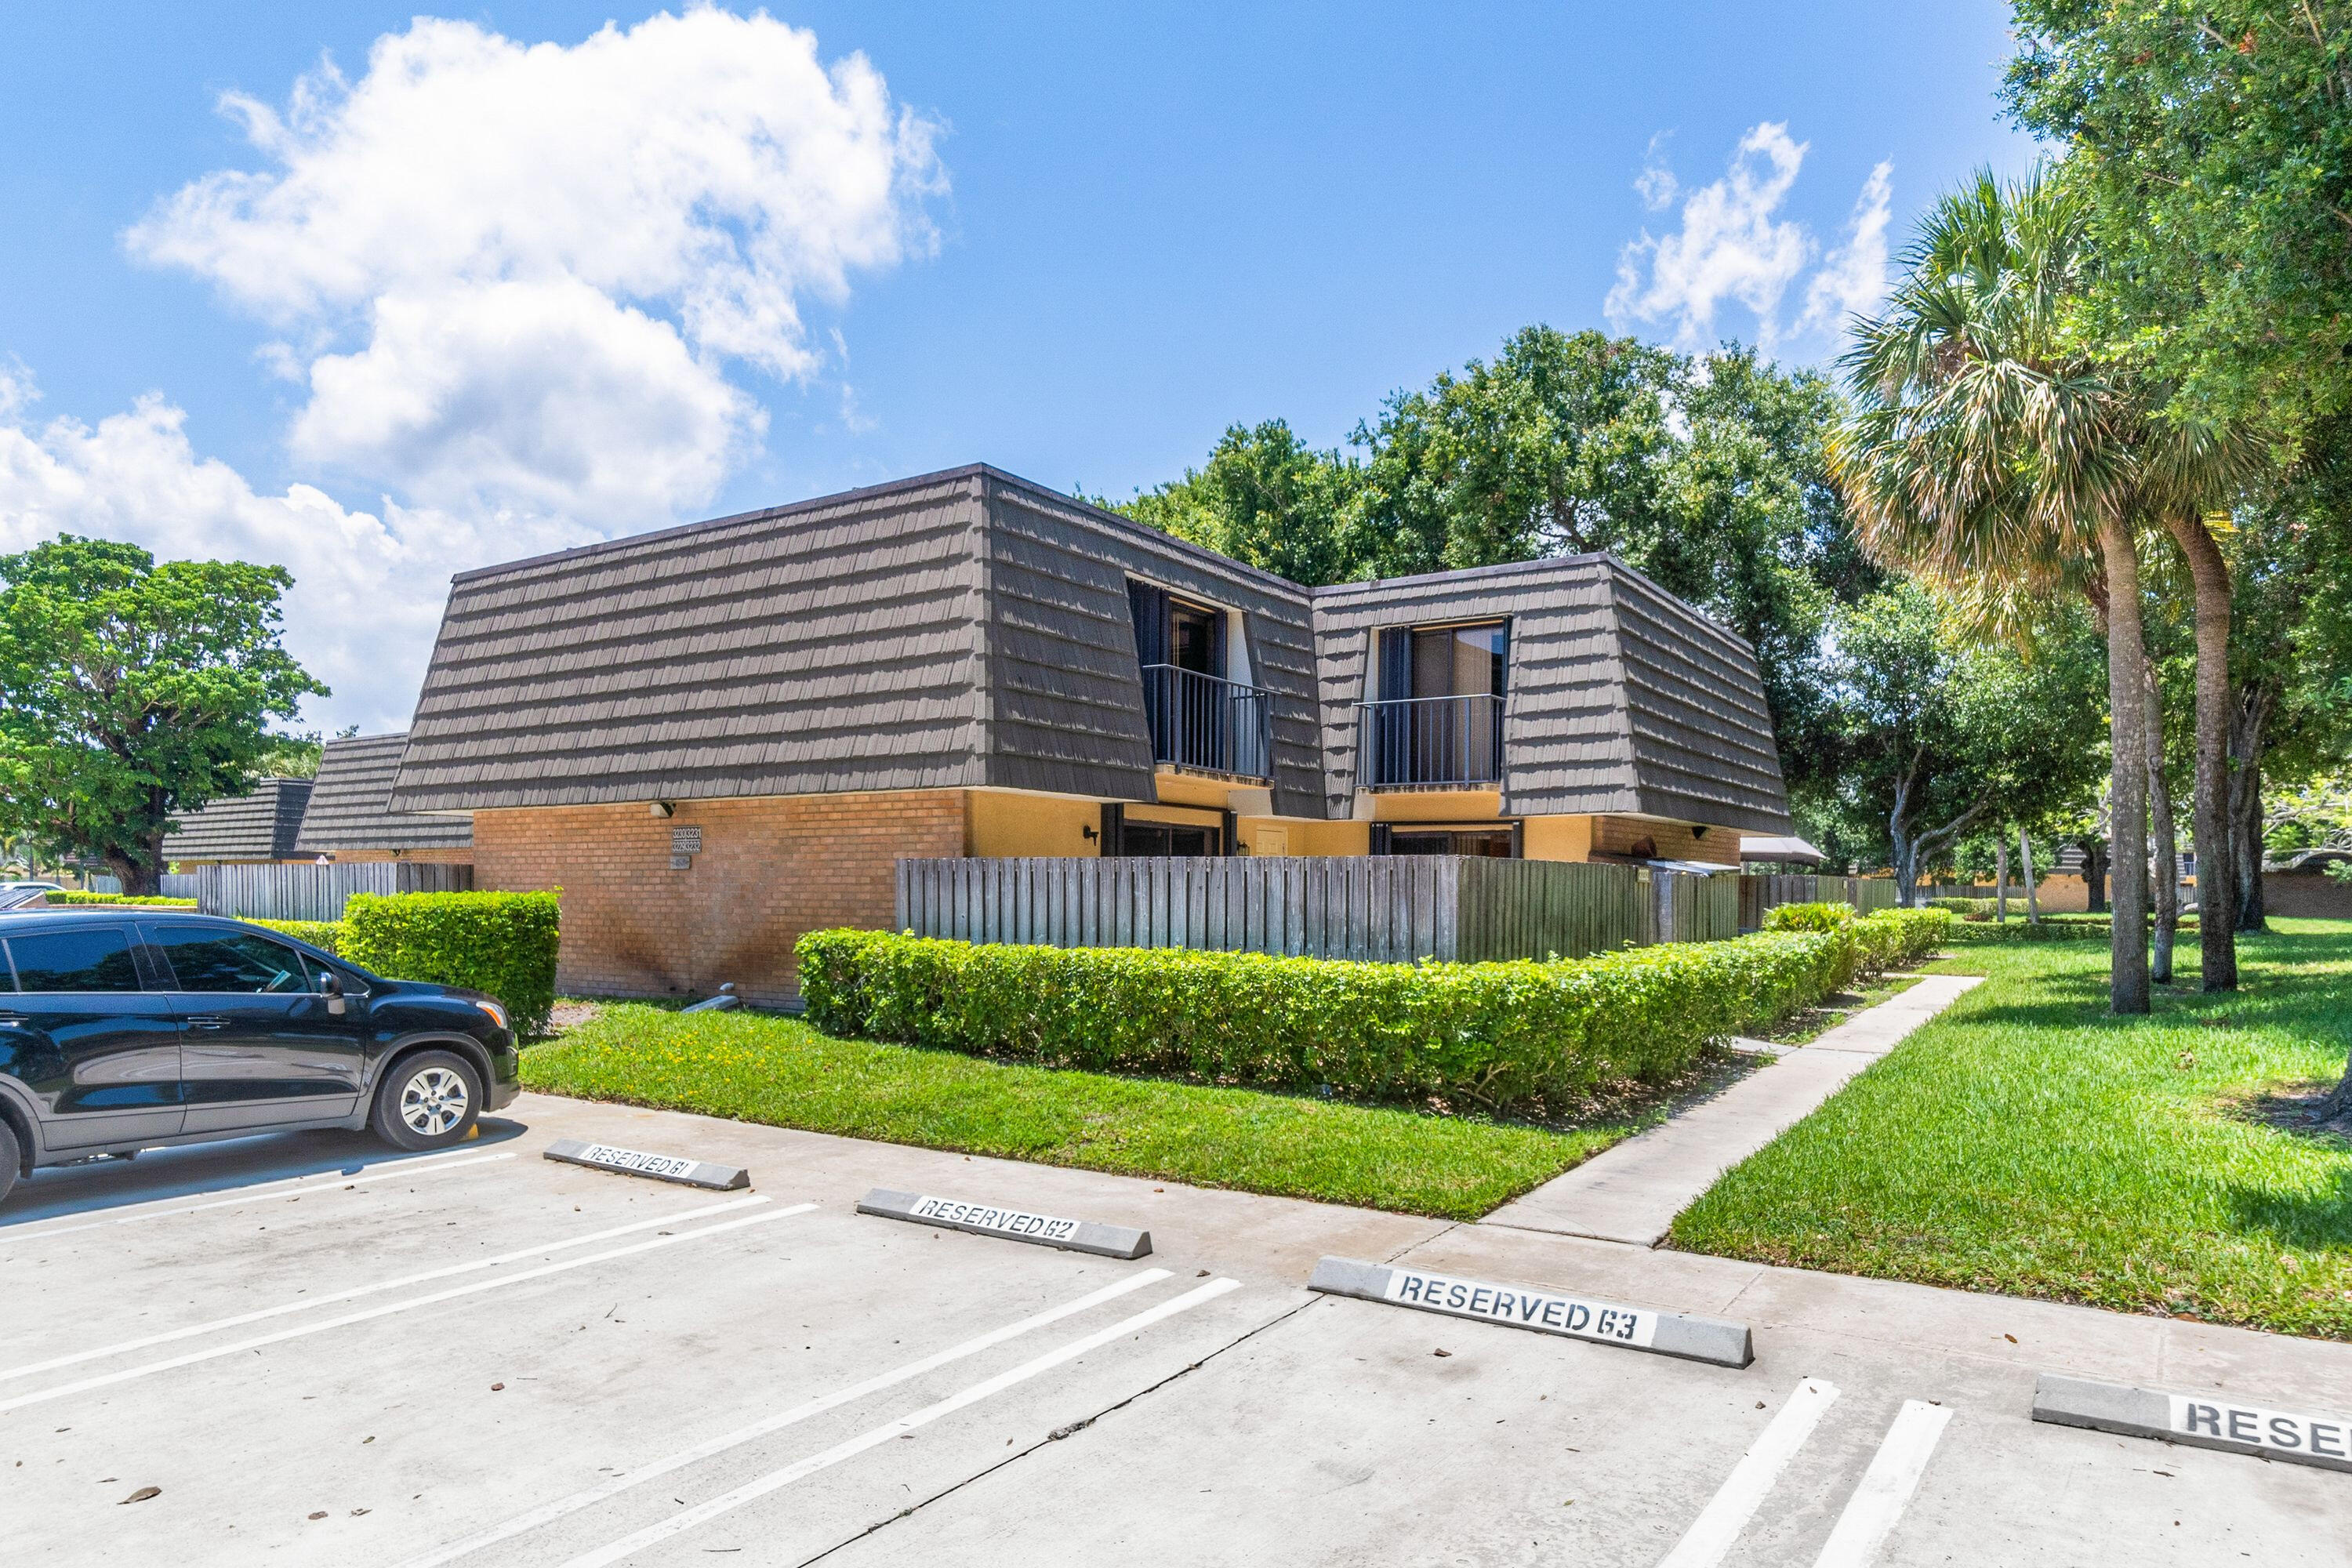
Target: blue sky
385, 327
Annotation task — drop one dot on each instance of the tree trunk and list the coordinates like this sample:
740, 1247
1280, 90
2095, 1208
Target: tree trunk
2025, 864
2127, 777
2094, 875
2000, 880
2216, 938
2252, 913
2246, 779
1904, 849
2164, 841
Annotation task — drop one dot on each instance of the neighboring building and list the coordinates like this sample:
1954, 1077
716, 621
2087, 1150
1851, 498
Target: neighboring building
716, 737
350, 816
243, 829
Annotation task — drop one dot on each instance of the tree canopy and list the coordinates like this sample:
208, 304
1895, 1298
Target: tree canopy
1934, 732
130, 690
2214, 138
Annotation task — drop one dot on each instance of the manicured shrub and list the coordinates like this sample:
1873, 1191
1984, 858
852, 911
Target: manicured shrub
1875, 942
1894, 939
1516, 1035
1810, 917
73, 896
503, 943
325, 934
1830, 919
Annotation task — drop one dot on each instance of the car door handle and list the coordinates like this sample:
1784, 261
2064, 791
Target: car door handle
208, 1023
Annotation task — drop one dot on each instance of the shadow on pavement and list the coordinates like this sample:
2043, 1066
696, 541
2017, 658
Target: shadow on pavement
94, 1187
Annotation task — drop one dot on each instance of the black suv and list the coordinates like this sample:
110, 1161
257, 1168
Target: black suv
121, 1030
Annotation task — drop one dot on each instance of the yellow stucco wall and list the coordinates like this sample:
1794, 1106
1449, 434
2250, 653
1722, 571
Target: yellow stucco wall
1438, 806
1000, 823
1557, 839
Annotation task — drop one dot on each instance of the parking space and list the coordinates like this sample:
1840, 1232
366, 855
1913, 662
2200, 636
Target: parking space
319, 1354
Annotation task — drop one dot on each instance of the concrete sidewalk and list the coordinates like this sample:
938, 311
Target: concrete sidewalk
1630, 1193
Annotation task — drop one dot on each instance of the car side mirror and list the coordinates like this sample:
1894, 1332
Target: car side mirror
330, 986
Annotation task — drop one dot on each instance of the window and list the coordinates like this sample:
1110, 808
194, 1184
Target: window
92, 958
221, 960
1158, 838
1444, 661
1494, 842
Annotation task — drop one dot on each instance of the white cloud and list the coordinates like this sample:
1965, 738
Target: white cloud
1736, 245
1852, 278
520, 269
368, 589
1656, 182
516, 282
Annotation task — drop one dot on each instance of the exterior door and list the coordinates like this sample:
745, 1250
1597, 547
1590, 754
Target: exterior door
99, 1051
258, 1046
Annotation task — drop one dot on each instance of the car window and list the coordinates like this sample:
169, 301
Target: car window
86, 958
216, 961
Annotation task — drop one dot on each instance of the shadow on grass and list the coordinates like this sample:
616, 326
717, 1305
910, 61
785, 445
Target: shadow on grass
2316, 1223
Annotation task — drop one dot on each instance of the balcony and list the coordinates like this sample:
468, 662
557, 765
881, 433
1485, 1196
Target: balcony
1203, 723
1432, 742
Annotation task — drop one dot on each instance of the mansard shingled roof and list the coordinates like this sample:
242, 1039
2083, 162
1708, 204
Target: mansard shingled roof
969, 627
261, 825
349, 807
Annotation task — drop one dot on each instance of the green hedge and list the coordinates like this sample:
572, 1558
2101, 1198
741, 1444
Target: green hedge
328, 934
71, 896
1874, 943
503, 943
1520, 1034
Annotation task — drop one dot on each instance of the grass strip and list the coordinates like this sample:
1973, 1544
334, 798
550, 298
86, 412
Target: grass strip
753, 1067
2025, 1142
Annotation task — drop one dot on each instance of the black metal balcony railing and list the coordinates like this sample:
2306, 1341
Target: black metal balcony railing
1432, 741
1201, 721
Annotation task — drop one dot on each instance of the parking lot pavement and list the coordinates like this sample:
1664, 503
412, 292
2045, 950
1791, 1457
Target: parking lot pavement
317, 1353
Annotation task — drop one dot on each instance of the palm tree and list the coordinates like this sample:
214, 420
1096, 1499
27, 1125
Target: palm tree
2192, 466
1987, 445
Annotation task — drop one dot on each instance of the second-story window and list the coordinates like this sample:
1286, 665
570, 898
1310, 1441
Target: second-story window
1444, 661
1437, 721
1200, 714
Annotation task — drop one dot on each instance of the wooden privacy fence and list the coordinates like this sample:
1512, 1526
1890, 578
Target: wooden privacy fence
1760, 894
280, 892
1384, 909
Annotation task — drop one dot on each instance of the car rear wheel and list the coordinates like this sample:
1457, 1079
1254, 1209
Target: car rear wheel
12, 1158
429, 1101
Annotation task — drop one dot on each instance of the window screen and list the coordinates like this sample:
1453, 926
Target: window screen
87, 958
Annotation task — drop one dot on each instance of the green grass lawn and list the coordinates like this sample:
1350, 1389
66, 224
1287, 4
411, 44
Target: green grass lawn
763, 1068
2024, 1143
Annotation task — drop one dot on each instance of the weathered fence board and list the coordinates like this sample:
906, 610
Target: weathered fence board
298, 892
1382, 909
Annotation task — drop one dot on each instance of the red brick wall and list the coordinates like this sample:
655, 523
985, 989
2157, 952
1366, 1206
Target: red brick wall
770, 870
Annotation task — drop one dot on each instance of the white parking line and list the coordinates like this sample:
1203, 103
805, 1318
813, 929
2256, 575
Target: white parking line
1886, 1486
547, 1512
44, 1395
775, 1481
352, 1292
254, 1195
1708, 1541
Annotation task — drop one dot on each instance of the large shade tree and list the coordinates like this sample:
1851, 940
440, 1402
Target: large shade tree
1941, 731
130, 691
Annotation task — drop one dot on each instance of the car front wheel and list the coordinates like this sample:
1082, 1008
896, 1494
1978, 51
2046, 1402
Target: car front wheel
429, 1101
